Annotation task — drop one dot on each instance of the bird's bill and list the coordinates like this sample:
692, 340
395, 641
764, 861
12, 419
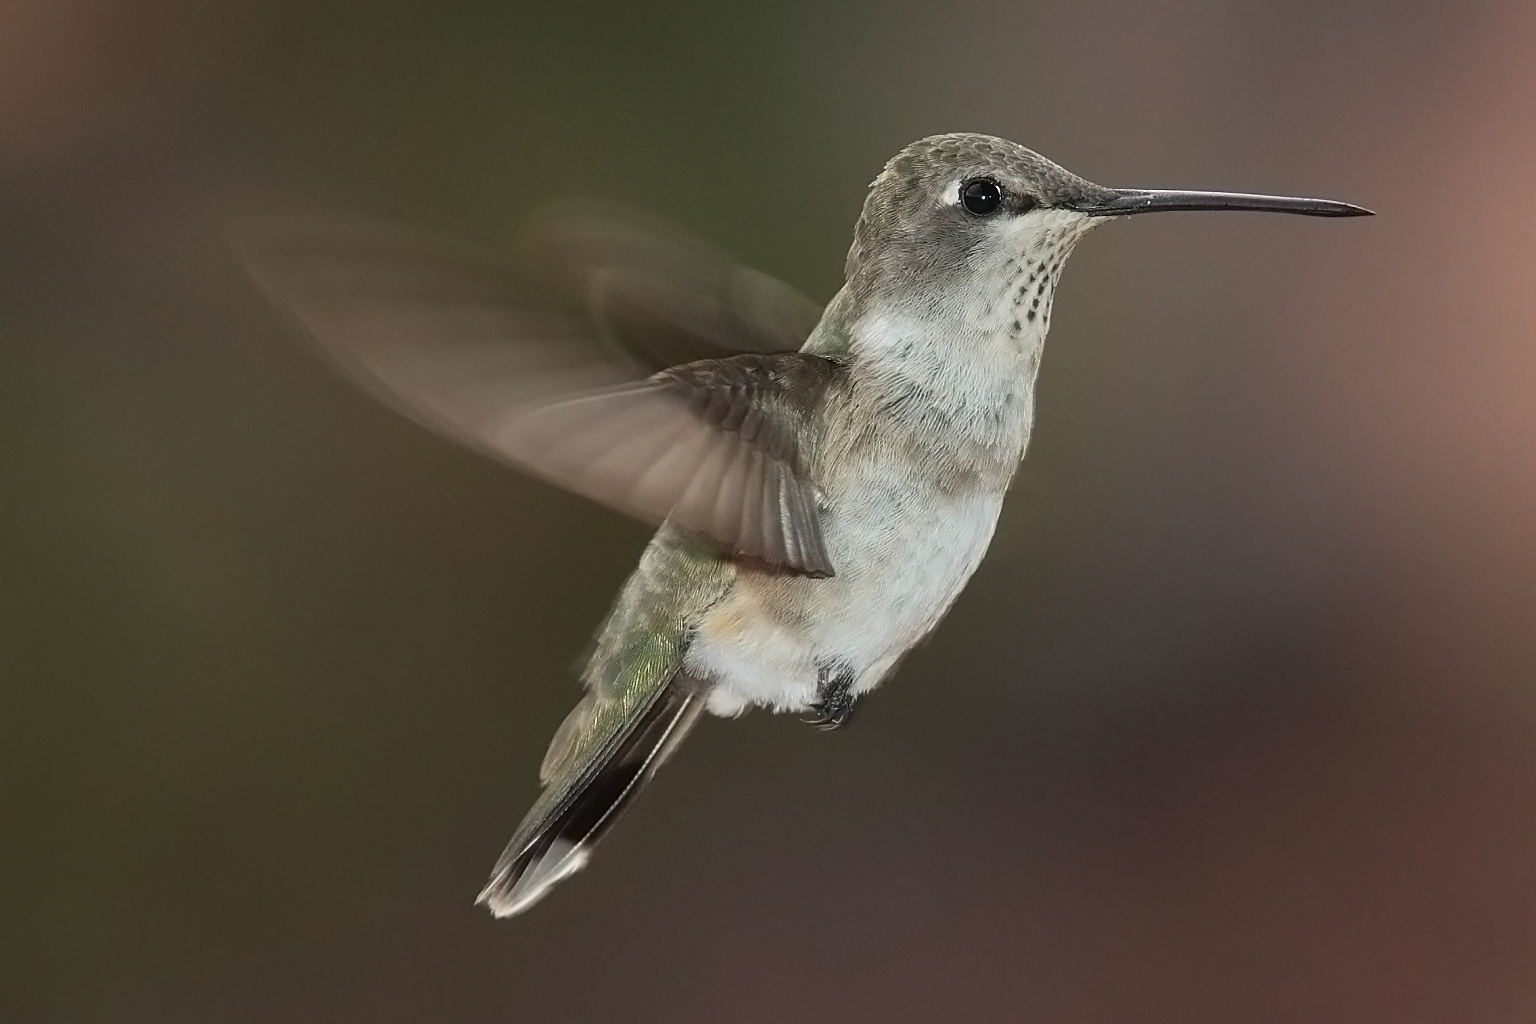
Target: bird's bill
1125, 201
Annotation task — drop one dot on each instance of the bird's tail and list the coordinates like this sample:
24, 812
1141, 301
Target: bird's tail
578, 807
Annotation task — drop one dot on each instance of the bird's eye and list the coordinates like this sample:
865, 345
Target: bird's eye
981, 196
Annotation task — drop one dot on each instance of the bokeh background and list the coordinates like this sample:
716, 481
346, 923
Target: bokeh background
1238, 721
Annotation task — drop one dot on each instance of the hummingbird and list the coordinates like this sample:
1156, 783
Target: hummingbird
825, 481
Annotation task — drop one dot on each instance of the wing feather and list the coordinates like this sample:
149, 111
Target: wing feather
717, 446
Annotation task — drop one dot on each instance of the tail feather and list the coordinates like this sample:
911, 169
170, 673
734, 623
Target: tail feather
556, 839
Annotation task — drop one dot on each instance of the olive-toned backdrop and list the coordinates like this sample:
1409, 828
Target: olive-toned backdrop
1237, 722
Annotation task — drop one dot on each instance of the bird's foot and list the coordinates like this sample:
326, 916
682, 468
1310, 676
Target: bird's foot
834, 702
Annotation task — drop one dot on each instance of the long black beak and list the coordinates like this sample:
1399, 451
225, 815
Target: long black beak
1120, 202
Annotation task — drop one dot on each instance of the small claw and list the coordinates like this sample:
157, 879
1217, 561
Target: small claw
834, 699
830, 715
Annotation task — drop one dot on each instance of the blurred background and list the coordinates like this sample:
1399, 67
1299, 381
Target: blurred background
1238, 721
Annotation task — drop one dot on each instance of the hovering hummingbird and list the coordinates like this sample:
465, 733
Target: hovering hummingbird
826, 481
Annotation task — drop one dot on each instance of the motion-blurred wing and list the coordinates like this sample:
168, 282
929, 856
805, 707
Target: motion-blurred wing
440, 331
714, 445
660, 294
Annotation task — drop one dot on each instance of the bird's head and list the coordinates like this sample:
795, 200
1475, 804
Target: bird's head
980, 221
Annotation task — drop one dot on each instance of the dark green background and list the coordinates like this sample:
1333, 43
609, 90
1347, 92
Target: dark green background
1236, 723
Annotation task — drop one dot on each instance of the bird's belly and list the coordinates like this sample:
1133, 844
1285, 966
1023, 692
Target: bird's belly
902, 550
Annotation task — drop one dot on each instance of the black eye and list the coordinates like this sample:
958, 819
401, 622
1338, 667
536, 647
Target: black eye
981, 196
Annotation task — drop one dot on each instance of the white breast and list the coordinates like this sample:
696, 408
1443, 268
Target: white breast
906, 524
909, 549
903, 552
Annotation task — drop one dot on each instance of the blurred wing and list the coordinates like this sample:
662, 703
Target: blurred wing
713, 446
661, 295
439, 331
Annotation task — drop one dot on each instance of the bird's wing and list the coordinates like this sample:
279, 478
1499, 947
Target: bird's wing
715, 447
442, 332
659, 294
